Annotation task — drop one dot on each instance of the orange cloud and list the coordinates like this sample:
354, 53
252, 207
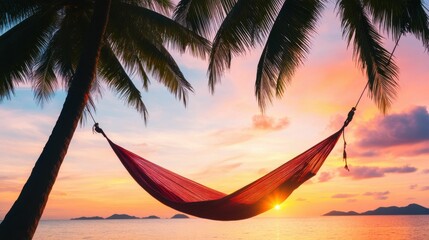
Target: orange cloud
262, 122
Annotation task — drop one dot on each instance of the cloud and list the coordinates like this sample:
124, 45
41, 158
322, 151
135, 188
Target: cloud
363, 172
301, 199
404, 169
263, 171
325, 176
378, 195
262, 122
396, 129
217, 170
426, 171
230, 136
413, 186
425, 188
344, 195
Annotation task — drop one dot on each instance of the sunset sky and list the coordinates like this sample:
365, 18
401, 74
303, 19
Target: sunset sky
224, 142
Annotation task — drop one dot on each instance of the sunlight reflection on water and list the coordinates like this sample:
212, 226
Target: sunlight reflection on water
356, 227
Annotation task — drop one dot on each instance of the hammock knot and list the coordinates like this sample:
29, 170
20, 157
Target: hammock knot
349, 117
97, 129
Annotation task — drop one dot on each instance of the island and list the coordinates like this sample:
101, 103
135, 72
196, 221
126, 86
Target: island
412, 209
126, 216
151, 217
179, 216
122, 216
340, 213
88, 218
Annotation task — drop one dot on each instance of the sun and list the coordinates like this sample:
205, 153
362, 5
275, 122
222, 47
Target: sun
277, 207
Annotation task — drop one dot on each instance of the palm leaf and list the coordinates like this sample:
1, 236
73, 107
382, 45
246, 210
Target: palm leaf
161, 6
68, 42
13, 12
368, 50
203, 17
155, 24
286, 47
401, 16
44, 79
157, 60
419, 21
20, 47
117, 79
245, 25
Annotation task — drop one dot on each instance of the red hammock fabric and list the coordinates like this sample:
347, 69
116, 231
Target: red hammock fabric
257, 197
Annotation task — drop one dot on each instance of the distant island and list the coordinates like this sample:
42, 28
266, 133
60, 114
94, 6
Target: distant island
412, 209
88, 218
179, 216
126, 216
122, 216
151, 217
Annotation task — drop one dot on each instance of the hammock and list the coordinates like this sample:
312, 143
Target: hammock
190, 197
255, 198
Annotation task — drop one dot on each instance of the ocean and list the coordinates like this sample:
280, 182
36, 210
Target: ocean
341, 227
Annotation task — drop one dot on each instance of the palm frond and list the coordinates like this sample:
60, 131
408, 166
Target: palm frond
369, 52
161, 6
90, 110
286, 47
68, 42
392, 16
246, 24
20, 47
401, 16
134, 47
111, 70
44, 80
13, 12
157, 60
418, 21
172, 33
203, 17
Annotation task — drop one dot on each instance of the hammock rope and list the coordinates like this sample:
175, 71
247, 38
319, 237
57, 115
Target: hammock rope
190, 197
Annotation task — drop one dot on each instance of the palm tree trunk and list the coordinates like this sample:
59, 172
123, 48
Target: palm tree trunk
22, 219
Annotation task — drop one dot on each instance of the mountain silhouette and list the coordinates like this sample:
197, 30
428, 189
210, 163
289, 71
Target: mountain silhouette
412, 209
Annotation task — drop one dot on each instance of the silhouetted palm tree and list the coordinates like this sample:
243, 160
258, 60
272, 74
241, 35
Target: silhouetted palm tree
79, 43
284, 28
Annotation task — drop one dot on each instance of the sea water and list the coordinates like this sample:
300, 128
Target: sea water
342, 227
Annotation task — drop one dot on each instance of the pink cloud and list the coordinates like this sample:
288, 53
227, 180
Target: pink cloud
344, 195
325, 176
396, 129
378, 195
362, 172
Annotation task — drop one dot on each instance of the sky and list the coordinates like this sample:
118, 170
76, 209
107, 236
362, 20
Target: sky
223, 141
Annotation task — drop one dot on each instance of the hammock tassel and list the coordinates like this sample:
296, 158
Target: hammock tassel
345, 157
346, 123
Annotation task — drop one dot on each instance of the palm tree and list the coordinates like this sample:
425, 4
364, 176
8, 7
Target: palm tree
284, 29
81, 43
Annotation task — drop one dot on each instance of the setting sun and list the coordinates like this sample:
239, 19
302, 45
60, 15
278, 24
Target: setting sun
277, 207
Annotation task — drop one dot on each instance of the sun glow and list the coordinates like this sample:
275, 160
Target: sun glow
277, 207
